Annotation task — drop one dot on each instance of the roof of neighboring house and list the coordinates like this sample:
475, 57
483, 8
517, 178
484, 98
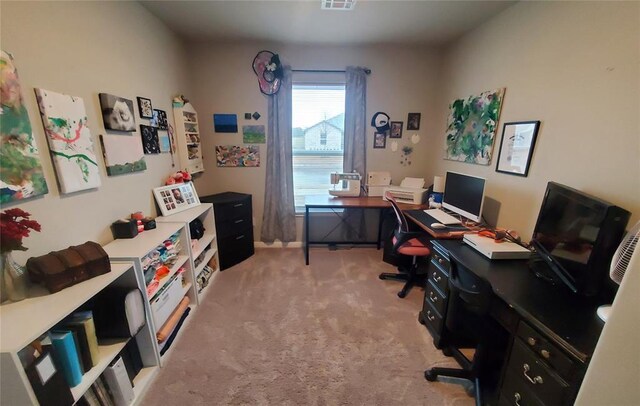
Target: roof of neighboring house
336, 122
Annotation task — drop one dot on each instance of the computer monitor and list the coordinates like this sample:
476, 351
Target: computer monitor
464, 195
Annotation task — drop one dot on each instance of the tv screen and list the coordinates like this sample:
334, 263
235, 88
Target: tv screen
579, 232
464, 194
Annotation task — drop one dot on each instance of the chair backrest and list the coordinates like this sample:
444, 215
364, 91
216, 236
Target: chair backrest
469, 299
403, 225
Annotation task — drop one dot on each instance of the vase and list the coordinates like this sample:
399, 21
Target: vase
13, 283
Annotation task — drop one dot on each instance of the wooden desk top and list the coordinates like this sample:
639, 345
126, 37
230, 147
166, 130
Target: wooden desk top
569, 319
363, 202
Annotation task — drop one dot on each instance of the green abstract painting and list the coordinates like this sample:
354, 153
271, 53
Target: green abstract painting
471, 127
21, 174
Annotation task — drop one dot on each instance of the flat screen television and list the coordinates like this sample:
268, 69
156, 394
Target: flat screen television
464, 195
576, 236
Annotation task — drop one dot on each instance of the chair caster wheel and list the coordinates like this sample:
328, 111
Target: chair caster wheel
430, 376
381, 276
420, 320
402, 294
447, 352
471, 391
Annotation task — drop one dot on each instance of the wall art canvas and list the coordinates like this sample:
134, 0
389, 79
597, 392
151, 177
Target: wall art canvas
145, 108
253, 134
21, 174
150, 141
122, 154
159, 119
165, 143
236, 156
65, 124
471, 127
225, 123
117, 113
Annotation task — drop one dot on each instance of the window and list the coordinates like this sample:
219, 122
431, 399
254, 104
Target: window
318, 138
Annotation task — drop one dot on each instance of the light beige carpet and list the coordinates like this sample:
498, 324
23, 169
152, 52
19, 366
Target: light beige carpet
272, 331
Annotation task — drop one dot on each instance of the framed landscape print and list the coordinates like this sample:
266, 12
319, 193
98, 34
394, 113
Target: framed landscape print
516, 147
176, 198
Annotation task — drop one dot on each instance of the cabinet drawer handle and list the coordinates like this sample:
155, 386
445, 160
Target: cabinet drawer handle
545, 354
440, 260
238, 221
430, 316
238, 205
517, 398
535, 380
531, 341
432, 297
240, 237
436, 278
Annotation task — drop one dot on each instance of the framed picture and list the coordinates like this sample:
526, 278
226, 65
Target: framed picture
380, 140
413, 121
117, 113
173, 199
145, 108
150, 140
396, 129
516, 147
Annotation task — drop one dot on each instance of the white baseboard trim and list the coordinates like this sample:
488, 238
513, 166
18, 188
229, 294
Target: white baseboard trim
277, 244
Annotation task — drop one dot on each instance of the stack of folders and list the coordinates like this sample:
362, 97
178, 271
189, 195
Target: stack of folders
75, 346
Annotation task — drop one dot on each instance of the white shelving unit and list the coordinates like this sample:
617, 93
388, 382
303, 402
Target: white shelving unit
135, 249
25, 321
206, 247
189, 138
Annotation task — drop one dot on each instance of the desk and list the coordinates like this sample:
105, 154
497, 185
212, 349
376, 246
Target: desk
334, 202
541, 320
424, 221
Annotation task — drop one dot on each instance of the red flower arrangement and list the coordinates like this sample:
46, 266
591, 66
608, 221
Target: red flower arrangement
14, 226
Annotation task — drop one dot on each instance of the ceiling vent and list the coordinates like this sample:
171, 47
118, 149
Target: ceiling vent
344, 5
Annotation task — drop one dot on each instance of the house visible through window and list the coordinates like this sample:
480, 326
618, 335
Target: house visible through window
318, 138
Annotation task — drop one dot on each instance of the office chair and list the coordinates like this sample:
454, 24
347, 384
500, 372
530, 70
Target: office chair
406, 242
468, 320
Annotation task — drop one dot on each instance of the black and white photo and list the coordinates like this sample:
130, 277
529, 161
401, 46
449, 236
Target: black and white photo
117, 113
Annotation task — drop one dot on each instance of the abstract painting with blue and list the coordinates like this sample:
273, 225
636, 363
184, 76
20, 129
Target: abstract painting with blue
225, 123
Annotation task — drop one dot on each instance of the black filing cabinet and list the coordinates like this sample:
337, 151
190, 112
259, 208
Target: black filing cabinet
434, 306
234, 226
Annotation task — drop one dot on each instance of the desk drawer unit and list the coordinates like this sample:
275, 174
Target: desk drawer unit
516, 393
234, 225
435, 296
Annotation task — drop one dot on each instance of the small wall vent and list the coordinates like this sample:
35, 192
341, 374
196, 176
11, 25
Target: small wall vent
344, 5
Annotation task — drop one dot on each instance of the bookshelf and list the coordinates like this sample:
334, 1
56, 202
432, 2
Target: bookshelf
206, 247
188, 137
25, 321
136, 249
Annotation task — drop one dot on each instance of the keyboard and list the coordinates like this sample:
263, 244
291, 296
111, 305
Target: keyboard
442, 217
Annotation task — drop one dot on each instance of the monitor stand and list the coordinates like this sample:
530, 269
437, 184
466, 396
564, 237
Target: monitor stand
542, 270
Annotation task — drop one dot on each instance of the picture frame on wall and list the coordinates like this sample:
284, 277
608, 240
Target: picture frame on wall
380, 140
117, 113
173, 199
145, 108
413, 121
516, 147
396, 129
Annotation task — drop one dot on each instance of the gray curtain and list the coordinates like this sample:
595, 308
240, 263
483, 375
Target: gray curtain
355, 120
355, 144
279, 219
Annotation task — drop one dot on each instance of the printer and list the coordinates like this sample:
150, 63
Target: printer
411, 190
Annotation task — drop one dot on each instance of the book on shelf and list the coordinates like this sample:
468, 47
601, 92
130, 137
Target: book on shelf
66, 356
119, 384
47, 381
90, 398
85, 319
102, 393
132, 360
76, 342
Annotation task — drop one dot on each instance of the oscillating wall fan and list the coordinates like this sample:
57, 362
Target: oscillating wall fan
620, 263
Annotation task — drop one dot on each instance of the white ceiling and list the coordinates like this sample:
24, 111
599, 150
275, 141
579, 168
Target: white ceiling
391, 21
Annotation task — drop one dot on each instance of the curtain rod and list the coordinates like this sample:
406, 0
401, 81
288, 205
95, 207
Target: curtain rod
366, 70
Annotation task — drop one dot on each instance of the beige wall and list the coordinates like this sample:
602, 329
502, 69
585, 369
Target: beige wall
403, 80
83, 48
575, 66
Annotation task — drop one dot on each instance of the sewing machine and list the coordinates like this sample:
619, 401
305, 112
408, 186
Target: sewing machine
353, 184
